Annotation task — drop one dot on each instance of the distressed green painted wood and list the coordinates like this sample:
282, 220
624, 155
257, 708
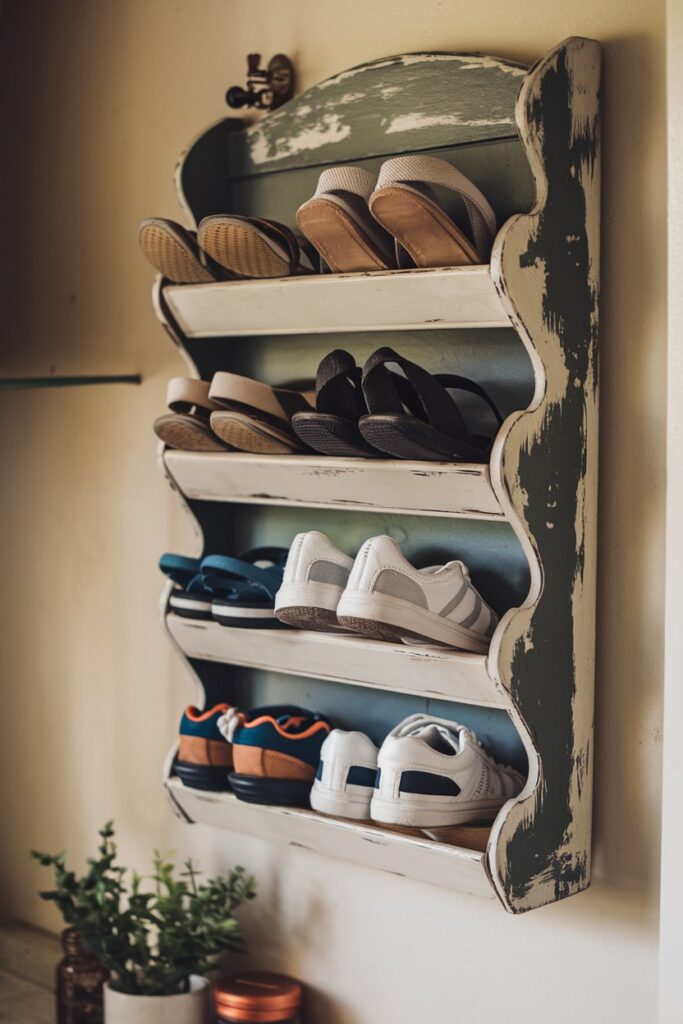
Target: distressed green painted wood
541, 564
546, 266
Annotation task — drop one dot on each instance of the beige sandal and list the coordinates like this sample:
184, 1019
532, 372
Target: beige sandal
426, 236
254, 417
174, 252
187, 426
251, 247
338, 223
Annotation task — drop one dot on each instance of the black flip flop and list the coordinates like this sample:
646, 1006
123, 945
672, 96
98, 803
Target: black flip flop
433, 431
339, 403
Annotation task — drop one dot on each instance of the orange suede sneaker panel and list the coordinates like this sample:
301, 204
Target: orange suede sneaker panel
270, 764
197, 750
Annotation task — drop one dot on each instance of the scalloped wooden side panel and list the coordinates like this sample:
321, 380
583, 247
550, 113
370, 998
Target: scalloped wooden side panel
544, 471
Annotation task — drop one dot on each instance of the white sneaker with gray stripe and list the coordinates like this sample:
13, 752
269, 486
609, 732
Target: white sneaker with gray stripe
345, 780
314, 579
386, 597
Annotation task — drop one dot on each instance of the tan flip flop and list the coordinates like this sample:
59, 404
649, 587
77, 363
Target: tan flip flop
337, 221
187, 426
255, 417
174, 252
404, 203
251, 247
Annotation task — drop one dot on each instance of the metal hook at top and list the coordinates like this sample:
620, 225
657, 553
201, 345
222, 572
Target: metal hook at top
267, 89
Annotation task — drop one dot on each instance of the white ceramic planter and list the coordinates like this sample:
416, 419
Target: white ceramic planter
187, 1008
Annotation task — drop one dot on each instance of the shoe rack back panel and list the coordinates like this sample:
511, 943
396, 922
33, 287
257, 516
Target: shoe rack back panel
530, 141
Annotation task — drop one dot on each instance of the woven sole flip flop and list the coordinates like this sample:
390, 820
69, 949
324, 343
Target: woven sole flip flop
173, 251
337, 221
247, 434
404, 203
250, 247
187, 427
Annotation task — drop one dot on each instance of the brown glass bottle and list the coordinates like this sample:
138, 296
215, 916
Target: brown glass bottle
80, 977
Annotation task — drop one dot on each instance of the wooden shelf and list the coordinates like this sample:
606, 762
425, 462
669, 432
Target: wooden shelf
379, 485
425, 860
430, 672
322, 303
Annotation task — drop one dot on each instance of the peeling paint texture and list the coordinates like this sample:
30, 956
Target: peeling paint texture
547, 268
472, 104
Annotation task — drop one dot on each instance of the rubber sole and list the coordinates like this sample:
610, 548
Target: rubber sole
339, 805
332, 435
406, 437
189, 607
200, 776
310, 605
242, 248
416, 814
172, 252
338, 238
422, 228
255, 789
390, 618
187, 433
250, 435
231, 615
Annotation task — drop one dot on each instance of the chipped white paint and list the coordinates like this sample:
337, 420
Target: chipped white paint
413, 122
432, 672
320, 303
330, 129
315, 481
450, 867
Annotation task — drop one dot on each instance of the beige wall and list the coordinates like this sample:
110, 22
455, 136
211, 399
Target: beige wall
98, 100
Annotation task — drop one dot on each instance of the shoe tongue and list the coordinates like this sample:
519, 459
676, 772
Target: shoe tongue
439, 738
455, 564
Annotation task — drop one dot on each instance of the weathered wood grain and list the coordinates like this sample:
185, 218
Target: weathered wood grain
384, 301
373, 485
451, 867
544, 471
431, 672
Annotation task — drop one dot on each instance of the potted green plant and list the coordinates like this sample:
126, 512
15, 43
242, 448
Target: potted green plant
157, 936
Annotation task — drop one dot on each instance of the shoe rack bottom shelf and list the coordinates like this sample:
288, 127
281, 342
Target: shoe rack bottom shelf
425, 860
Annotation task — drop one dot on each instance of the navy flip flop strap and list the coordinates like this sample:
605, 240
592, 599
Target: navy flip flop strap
231, 571
179, 568
382, 394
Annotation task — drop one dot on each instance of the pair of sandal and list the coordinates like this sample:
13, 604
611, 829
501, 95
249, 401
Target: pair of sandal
370, 412
231, 413
225, 248
232, 591
402, 218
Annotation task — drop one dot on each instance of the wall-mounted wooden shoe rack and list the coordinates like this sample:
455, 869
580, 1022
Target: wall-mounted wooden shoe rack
526, 326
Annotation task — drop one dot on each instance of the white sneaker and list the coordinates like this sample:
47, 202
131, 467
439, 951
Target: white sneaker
433, 772
388, 597
345, 779
314, 579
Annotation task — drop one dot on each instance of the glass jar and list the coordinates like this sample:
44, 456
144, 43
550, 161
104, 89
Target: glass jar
80, 978
255, 997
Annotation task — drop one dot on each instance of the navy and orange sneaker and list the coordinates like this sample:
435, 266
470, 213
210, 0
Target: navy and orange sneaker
275, 753
204, 756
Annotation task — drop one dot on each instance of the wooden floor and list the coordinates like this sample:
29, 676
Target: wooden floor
22, 1002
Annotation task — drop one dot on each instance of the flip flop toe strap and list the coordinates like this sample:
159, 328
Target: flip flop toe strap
338, 386
235, 576
431, 401
422, 172
188, 395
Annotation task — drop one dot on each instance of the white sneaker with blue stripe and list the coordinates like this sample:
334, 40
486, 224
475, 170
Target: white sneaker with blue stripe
433, 772
388, 598
344, 783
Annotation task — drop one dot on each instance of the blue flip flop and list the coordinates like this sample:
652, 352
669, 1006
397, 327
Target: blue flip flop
193, 592
245, 588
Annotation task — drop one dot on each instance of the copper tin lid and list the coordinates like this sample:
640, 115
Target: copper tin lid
257, 996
